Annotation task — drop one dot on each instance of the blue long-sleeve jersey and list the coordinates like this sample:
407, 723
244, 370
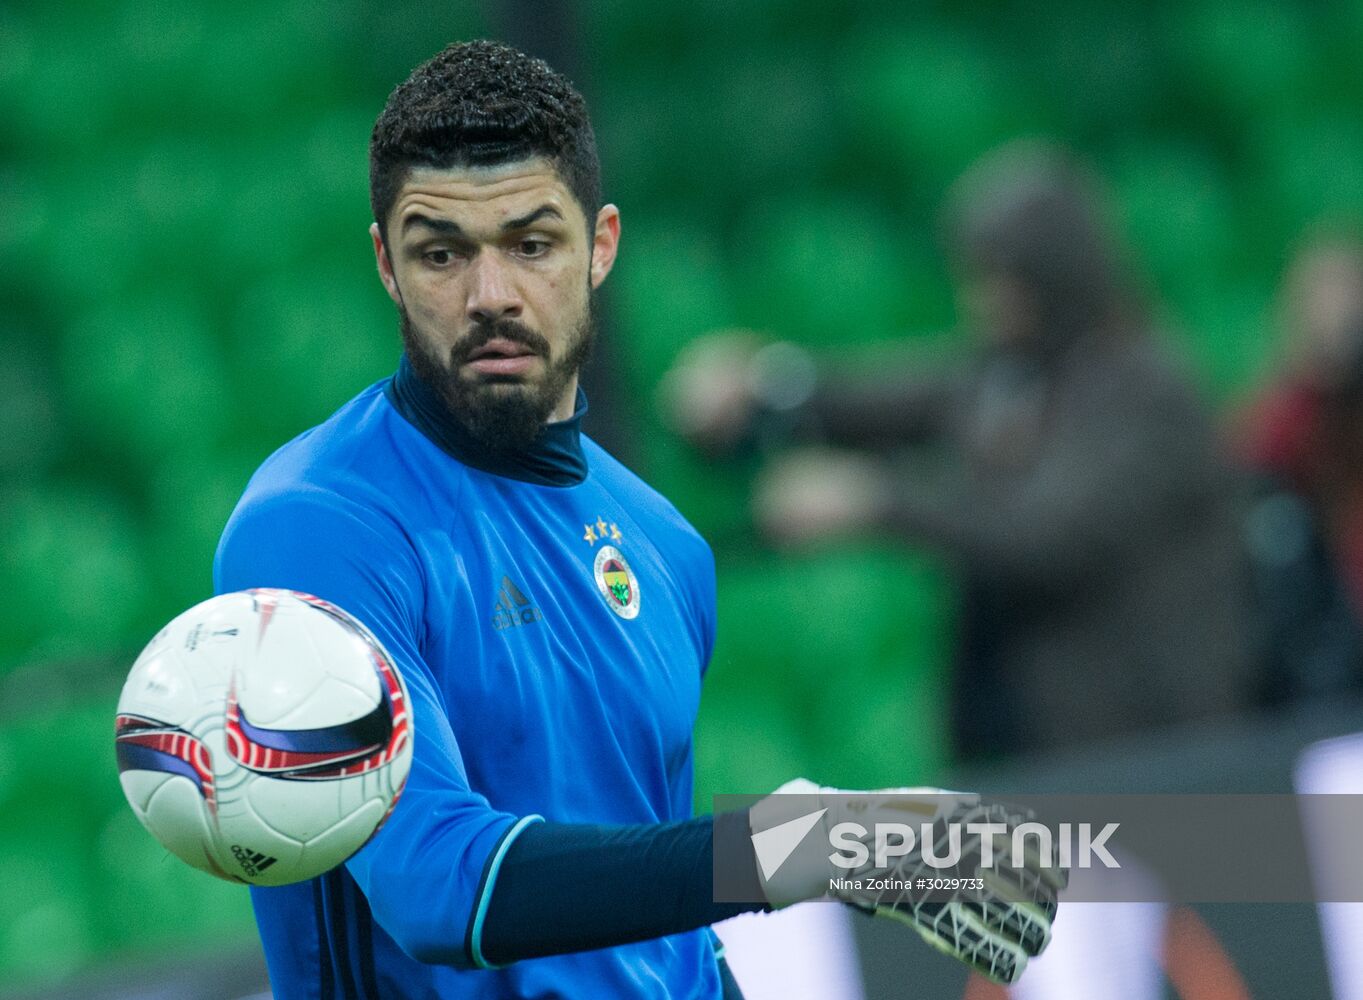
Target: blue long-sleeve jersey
552, 616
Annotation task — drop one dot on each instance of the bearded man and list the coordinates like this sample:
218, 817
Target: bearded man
552, 615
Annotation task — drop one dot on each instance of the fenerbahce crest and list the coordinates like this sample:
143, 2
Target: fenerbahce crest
614, 579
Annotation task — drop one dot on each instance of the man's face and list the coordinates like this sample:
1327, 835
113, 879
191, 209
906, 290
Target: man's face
493, 272
1323, 313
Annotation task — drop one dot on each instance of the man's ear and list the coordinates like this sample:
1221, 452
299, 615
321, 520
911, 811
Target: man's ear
385, 264
605, 242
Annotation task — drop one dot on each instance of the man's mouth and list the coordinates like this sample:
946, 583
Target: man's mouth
500, 356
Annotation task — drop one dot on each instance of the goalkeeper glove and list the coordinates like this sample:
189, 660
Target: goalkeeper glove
984, 910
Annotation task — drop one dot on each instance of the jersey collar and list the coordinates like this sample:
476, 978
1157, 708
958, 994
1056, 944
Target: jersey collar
554, 458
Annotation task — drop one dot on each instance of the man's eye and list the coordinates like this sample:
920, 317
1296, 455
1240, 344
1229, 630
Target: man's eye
532, 248
438, 257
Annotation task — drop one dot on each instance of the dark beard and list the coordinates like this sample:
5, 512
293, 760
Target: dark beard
502, 414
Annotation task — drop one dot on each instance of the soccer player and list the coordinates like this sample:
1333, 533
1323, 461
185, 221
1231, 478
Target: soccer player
552, 615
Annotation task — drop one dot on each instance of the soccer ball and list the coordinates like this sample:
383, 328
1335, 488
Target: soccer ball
263, 736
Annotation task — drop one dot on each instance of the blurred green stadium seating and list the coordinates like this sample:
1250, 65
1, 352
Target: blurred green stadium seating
188, 284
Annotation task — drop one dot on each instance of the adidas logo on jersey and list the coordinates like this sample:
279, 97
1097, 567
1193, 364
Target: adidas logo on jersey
513, 607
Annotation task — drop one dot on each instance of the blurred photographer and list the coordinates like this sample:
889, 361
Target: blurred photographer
1067, 468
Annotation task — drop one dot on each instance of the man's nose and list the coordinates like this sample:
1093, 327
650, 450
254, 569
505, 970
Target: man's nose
492, 292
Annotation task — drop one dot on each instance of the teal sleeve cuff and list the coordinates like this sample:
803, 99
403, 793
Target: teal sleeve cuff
475, 943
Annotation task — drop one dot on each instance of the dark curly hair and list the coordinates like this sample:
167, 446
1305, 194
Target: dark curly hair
480, 104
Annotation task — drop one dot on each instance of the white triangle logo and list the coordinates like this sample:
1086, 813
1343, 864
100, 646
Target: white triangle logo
773, 846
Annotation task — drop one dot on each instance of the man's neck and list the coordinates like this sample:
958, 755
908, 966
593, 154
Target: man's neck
554, 458
566, 405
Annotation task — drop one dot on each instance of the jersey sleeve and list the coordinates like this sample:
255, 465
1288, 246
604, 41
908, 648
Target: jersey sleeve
707, 612
428, 872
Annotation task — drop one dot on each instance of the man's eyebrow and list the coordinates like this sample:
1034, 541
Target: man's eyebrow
438, 225
450, 228
545, 210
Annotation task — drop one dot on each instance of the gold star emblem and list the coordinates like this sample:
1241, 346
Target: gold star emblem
601, 530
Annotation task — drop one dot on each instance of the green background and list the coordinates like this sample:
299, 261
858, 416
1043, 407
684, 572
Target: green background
187, 283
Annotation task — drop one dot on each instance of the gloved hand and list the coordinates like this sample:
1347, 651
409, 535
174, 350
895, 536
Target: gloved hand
953, 881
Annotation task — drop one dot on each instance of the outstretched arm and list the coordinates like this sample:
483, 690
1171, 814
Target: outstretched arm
570, 888
1126, 449
881, 412
731, 389
573, 887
